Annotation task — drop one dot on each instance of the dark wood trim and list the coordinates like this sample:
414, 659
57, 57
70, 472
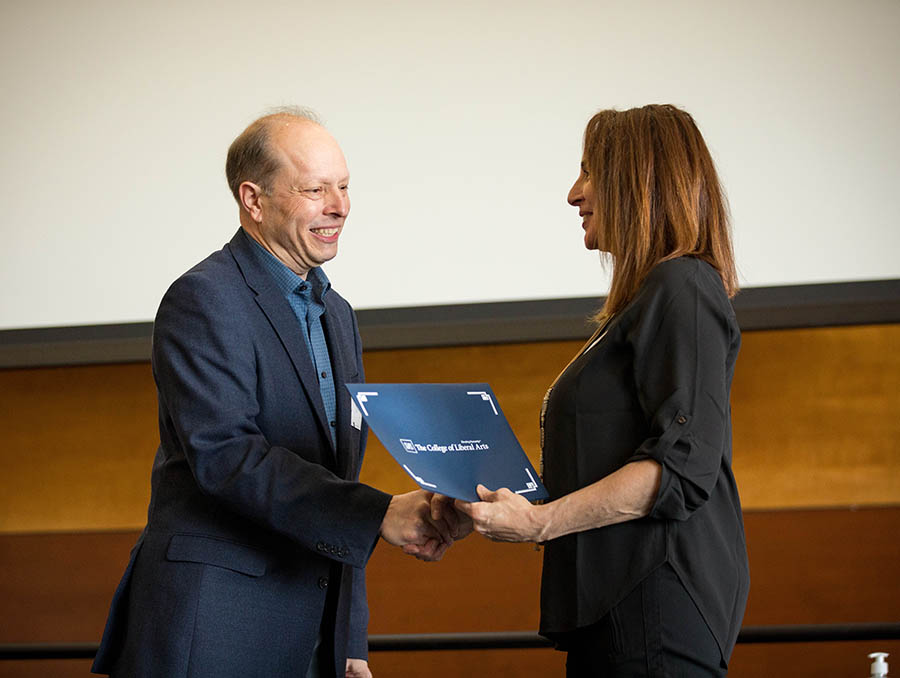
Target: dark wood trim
758, 308
506, 640
77, 345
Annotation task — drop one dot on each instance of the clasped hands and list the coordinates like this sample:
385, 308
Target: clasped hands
425, 524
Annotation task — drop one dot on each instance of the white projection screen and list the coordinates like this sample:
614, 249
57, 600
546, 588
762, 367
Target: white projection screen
461, 123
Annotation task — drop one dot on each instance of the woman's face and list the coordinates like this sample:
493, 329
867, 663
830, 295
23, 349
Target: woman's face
581, 195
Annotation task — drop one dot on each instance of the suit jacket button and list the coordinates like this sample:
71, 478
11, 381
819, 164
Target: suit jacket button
682, 419
323, 583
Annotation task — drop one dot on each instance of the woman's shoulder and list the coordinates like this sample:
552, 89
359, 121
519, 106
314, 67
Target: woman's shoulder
675, 275
681, 270
683, 278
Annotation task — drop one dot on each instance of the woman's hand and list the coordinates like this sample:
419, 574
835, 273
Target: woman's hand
503, 515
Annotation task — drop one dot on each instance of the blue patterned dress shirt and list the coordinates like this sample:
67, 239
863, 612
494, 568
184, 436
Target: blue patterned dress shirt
307, 300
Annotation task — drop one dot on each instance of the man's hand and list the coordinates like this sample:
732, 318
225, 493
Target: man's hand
408, 524
504, 515
358, 668
442, 508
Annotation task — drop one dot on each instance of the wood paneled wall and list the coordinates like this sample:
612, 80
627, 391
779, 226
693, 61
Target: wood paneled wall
807, 567
816, 424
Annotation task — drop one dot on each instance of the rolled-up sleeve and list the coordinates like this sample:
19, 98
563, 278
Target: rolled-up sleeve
681, 349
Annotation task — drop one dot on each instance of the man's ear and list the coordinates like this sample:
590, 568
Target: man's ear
251, 200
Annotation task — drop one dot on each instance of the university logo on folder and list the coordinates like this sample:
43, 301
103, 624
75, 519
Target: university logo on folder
448, 437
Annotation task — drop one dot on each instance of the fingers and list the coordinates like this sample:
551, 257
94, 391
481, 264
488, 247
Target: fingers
442, 528
357, 668
407, 521
434, 551
481, 514
431, 551
476, 515
425, 514
487, 495
464, 527
425, 524
446, 508
440, 551
470, 508
442, 509
452, 521
439, 505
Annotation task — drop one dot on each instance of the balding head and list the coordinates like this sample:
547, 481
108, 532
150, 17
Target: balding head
292, 185
253, 157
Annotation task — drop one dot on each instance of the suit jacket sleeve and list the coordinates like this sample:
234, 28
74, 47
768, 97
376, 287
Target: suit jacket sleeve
681, 346
358, 640
205, 364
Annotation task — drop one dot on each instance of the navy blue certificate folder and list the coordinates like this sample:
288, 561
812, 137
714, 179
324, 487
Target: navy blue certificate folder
448, 437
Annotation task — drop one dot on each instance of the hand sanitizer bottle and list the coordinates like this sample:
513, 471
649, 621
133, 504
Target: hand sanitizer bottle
879, 666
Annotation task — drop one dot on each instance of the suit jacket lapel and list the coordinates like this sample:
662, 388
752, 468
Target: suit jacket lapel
284, 322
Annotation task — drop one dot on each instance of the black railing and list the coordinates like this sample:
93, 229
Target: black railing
507, 640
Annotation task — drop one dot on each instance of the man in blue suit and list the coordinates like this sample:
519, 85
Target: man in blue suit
258, 531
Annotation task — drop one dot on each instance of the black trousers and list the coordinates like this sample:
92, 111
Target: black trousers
655, 632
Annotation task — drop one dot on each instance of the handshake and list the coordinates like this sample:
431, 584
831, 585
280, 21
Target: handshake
425, 524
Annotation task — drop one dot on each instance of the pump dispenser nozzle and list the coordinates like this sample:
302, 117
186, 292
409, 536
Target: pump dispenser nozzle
879, 666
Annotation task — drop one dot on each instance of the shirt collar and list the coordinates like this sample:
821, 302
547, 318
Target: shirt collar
285, 279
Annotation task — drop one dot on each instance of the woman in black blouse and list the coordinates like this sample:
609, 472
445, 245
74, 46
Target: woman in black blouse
645, 568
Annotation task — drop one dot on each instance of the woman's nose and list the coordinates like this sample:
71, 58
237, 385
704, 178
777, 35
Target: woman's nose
576, 194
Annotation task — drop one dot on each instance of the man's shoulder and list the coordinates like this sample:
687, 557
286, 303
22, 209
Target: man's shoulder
214, 276
220, 263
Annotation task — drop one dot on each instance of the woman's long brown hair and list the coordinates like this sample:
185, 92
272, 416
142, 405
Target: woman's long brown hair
657, 196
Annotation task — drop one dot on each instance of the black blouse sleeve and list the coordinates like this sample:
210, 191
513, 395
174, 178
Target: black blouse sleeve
682, 341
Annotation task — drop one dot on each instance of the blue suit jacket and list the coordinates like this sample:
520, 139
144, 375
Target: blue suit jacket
254, 515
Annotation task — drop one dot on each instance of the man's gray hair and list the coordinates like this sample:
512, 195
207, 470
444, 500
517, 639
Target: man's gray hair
301, 112
250, 157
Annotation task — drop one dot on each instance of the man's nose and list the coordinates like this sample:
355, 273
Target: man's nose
338, 202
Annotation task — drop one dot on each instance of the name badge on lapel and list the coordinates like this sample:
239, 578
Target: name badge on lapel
355, 415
